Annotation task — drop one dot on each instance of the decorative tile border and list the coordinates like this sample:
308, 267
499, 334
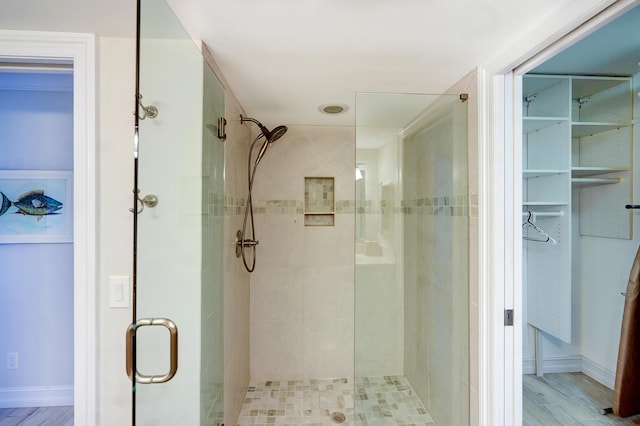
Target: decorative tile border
233, 206
278, 207
345, 206
216, 204
455, 205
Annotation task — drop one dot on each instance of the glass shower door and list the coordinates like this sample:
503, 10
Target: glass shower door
412, 258
176, 339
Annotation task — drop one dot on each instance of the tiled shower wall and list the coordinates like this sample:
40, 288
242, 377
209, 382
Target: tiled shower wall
379, 315
236, 279
211, 300
440, 210
302, 308
436, 249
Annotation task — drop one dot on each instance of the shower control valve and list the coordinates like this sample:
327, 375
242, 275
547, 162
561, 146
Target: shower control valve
242, 242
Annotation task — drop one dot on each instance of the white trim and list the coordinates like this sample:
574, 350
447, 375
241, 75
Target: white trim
572, 364
81, 49
565, 364
491, 253
36, 396
598, 373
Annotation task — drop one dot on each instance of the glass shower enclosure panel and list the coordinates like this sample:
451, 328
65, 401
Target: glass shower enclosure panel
412, 251
178, 227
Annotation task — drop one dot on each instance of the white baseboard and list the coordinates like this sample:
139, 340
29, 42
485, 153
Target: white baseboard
572, 365
554, 365
36, 396
598, 373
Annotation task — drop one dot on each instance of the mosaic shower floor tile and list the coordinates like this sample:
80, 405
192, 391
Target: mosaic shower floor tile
383, 401
389, 400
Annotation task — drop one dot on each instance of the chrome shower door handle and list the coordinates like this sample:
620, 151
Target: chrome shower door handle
173, 349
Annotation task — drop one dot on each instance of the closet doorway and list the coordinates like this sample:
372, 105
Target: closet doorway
54, 160
581, 151
36, 241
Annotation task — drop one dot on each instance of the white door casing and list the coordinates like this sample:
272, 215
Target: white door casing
500, 171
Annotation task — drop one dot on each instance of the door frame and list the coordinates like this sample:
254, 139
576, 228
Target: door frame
500, 194
81, 49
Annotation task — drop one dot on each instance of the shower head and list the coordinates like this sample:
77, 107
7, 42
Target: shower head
275, 134
270, 136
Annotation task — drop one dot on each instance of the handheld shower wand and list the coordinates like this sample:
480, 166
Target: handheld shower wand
241, 240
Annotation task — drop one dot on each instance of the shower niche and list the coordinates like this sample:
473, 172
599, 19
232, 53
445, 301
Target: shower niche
319, 201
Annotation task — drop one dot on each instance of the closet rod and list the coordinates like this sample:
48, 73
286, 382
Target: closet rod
542, 214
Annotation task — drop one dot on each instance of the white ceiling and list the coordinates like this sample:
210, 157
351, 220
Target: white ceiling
285, 58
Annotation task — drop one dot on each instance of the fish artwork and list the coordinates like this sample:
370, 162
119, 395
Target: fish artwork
5, 204
32, 203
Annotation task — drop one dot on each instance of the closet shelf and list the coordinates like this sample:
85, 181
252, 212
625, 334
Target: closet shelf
533, 124
578, 172
545, 203
582, 129
582, 182
530, 173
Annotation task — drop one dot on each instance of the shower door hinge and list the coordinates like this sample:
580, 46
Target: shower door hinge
508, 317
222, 128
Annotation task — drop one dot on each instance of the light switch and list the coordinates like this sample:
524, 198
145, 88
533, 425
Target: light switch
119, 291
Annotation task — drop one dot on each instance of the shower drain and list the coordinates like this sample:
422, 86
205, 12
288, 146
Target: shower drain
337, 417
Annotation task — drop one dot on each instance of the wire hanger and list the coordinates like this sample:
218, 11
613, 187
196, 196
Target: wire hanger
544, 237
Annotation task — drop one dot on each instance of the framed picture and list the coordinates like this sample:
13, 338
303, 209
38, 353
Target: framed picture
36, 206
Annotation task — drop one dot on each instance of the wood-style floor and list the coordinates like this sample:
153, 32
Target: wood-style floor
568, 399
43, 416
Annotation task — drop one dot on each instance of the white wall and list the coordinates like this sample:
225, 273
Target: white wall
36, 295
302, 289
116, 90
